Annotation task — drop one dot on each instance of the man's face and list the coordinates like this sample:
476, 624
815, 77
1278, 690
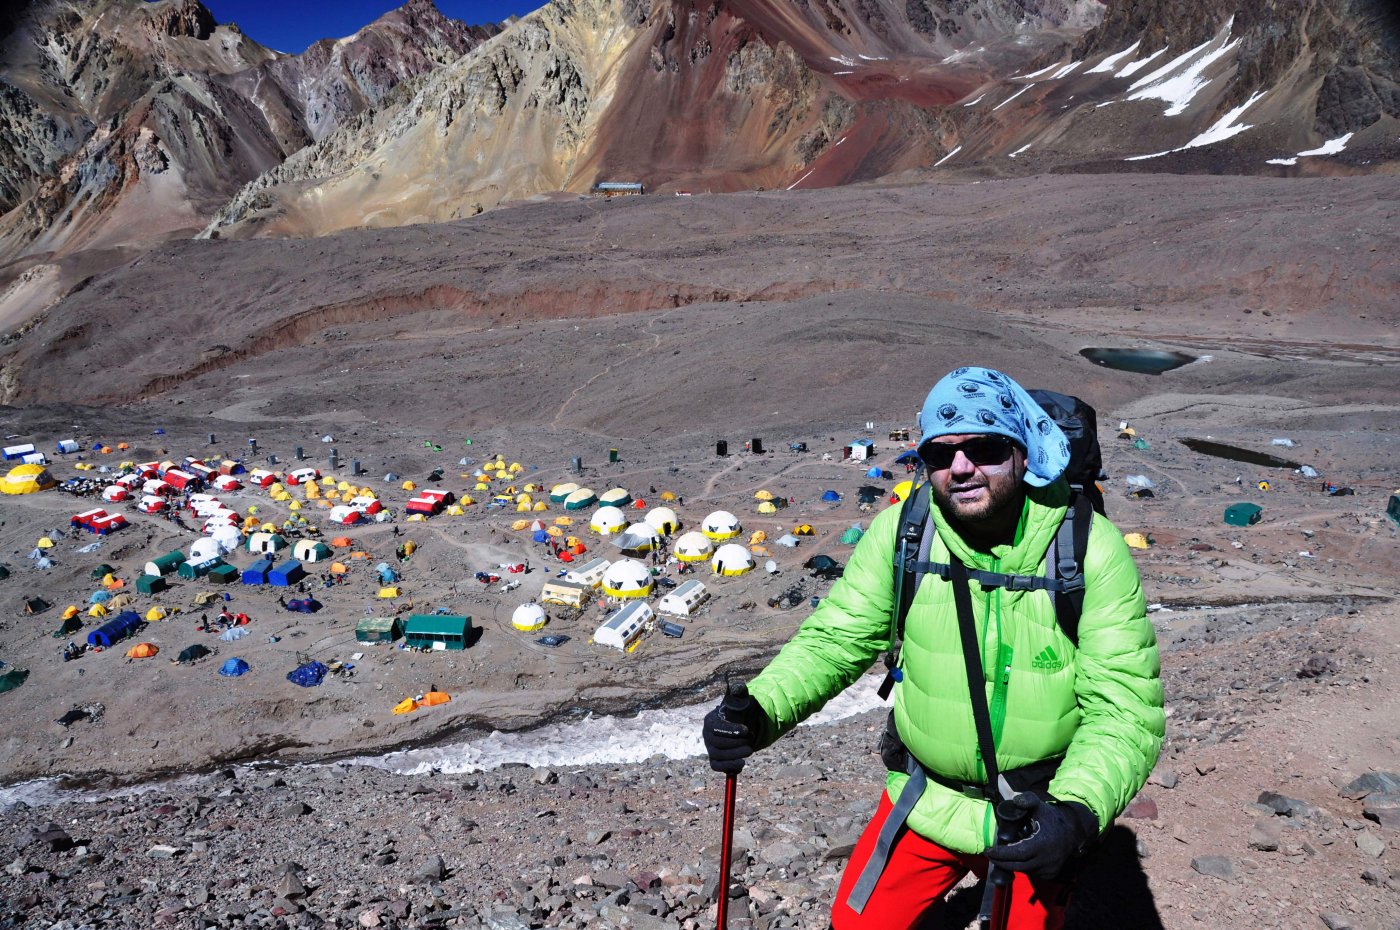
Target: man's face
975, 478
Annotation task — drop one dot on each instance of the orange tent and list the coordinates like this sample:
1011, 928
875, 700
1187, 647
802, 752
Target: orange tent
435, 697
338, 568
340, 541
359, 556
123, 446
142, 651
578, 549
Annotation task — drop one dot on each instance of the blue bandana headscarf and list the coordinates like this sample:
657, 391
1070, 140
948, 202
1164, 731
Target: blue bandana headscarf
981, 400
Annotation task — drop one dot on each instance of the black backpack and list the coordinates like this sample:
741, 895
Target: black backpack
1064, 574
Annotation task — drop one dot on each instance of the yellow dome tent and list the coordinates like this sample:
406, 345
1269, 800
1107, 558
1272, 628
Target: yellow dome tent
26, 479
389, 592
767, 507
97, 610
520, 525
416, 518
406, 706
902, 490
410, 547
540, 505
667, 496
410, 486
156, 613
481, 486
312, 491
71, 612
563, 521
1136, 540
763, 495
804, 529
46, 543
758, 537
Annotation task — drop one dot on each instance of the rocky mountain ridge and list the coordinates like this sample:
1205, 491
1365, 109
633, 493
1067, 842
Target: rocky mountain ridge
127, 122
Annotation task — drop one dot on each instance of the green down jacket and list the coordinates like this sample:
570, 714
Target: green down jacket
1098, 706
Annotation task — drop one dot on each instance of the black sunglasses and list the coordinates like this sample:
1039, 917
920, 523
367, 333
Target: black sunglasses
984, 450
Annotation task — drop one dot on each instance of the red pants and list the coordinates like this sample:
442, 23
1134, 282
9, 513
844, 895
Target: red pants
920, 873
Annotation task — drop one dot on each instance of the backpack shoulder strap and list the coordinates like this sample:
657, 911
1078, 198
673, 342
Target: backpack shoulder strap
913, 521
1065, 561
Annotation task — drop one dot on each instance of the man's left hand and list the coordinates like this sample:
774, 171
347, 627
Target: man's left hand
1055, 832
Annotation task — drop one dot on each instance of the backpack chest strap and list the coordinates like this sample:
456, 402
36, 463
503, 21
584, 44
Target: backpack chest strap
1055, 585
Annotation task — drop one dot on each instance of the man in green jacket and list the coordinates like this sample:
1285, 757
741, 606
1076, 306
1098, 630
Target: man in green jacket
1076, 725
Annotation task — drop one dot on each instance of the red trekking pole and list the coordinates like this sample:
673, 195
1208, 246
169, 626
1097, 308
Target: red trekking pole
731, 781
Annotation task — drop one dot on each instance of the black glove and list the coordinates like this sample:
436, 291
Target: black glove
733, 730
1052, 833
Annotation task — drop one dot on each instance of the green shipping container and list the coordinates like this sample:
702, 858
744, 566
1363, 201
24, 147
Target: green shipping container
1243, 514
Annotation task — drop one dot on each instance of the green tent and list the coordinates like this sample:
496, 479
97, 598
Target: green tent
1392, 509
852, 535
224, 574
35, 605
192, 653
150, 584
1243, 514
103, 570
378, 630
437, 631
69, 627
12, 678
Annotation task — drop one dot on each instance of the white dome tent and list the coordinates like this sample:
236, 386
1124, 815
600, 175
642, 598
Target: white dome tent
227, 536
732, 559
608, 520
694, 547
721, 525
627, 578
529, 617
203, 550
664, 520
639, 537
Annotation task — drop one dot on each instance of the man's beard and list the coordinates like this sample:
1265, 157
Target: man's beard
1000, 497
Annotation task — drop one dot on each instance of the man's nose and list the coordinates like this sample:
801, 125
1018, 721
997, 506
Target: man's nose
962, 465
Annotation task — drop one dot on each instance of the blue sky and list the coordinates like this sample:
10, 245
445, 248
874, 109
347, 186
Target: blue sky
292, 25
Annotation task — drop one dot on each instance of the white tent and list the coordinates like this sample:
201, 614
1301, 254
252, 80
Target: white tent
583, 497
721, 525
664, 519
528, 617
227, 536
233, 634
203, 550
615, 497
731, 559
694, 547
683, 600
789, 541
639, 537
560, 492
627, 578
624, 626
607, 520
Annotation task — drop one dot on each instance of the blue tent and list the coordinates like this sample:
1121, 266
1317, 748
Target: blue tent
100, 597
308, 675
286, 574
257, 572
873, 473
540, 536
233, 668
115, 630
831, 496
906, 457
